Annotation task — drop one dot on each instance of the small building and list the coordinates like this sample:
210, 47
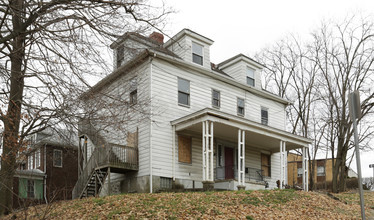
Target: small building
322, 171
47, 171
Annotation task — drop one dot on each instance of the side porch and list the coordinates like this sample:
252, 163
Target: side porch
236, 153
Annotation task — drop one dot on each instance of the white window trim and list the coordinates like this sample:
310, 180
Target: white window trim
254, 76
55, 150
237, 106
219, 99
37, 158
202, 53
267, 110
189, 94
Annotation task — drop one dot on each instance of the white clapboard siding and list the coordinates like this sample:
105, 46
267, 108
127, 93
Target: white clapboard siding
165, 103
120, 86
238, 71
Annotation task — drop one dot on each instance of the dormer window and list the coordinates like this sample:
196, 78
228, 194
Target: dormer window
120, 55
250, 76
197, 53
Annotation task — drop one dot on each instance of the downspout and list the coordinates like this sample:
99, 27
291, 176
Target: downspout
150, 131
45, 173
173, 150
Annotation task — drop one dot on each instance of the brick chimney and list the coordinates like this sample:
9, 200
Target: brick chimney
158, 37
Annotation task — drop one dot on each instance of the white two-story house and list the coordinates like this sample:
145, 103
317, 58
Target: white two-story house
208, 126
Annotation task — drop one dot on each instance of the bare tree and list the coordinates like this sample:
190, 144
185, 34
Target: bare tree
291, 75
48, 51
344, 54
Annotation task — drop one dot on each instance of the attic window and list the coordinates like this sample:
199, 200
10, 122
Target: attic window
197, 53
250, 76
120, 55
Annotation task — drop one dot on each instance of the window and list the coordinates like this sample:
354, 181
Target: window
250, 76
37, 158
183, 92
240, 105
197, 53
30, 162
264, 116
216, 98
184, 149
57, 158
321, 171
120, 55
299, 172
30, 189
265, 164
133, 91
166, 183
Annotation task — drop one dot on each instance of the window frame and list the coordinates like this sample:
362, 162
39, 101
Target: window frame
37, 158
201, 56
187, 93
265, 121
30, 161
299, 174
216, 99
54, 158
324, 171
133, 95
240, 107
251, 78
120, 55
30, 185
264, 165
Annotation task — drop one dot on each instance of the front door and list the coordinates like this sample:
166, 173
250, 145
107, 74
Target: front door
229, 163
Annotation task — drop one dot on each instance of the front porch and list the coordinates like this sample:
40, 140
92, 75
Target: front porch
237, 152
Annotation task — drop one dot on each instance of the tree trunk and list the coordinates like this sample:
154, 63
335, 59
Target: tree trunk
13, 116
311, 175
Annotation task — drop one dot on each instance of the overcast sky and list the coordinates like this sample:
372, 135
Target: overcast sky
247, 26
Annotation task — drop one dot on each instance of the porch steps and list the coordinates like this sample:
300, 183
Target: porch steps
95, 183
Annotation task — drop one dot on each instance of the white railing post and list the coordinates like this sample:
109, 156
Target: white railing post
241, 159
208, 169
204, 151
281, 165
305, 169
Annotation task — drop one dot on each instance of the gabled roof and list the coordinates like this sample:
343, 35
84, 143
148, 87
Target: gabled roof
190, 33
237, 58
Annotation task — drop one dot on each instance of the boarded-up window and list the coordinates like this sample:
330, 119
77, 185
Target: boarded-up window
184, 149
265, 164
132, 139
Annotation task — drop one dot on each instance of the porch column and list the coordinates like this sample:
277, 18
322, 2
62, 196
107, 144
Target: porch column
208, 175
241, 159
283, 163
305, 169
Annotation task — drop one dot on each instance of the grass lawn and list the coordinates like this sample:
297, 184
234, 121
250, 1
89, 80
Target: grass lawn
264, 204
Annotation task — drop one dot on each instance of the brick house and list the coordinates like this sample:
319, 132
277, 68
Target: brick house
48, 171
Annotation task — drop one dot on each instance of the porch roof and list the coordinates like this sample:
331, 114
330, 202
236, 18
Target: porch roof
226, 127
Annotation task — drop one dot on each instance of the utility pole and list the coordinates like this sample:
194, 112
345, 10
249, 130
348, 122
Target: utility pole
355, 113
372, 166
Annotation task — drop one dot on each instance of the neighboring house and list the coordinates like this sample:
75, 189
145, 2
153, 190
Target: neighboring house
209, 127
322, 174
48, 170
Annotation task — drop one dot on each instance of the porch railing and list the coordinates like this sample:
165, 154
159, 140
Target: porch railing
111, 155
230, 172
